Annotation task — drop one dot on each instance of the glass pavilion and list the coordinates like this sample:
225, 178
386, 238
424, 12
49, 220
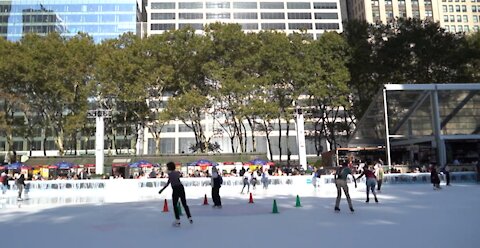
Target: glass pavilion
423, 123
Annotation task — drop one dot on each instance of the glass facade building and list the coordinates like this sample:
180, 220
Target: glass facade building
315, 17
101, 19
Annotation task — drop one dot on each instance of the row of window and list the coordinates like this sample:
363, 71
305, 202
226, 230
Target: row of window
253, 26
192, 16
449, 8
243, 5
460, 28
473, 1
58, 8
459, 18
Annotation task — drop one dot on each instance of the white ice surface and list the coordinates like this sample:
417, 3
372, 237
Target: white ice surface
407, 216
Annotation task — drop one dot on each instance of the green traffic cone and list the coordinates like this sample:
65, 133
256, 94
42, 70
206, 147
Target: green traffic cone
297, 204
179, 207
275, 209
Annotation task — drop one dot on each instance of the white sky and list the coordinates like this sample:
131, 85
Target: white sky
407, 216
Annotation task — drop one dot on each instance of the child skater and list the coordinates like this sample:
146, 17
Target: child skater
371, 182
178, 192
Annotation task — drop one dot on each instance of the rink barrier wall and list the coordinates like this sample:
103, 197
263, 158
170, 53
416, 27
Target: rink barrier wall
127, 185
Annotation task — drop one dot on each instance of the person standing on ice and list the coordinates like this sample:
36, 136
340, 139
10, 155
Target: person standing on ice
178, 193
379, 173
216, 184
246, 182
434, 178
370, 183
341, 183
314, 179
264, 179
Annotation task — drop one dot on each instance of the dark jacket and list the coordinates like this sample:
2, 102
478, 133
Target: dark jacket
21, 180
217, 182
434, 176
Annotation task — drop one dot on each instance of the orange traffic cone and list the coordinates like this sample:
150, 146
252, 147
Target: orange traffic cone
165, 206
205, 200
251, 198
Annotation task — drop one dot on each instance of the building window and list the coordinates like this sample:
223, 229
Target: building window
190, 16
466, 28
245, 16
475, 28
300, 26
452, 18
475, 18
416, 14
274, 5
163, 6
464, 8
465, 18
272, 15
333, 16
169, 128
163, 16
450, 8
445, 18
268, 26
326, 26
190, 5
460, 28
325, 5
249, 26
447, 28
444, 7
459, 18
244, 5
300, 5
457, 8
474, 8
161, 26
217, 5
195, 26
428, 13
415, 2
304, 16
401, 2
218, 15
388, 2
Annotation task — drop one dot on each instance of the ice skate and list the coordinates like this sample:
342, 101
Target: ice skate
190, 220
351, 210
368, 200
176, 223
337, 209
376, 200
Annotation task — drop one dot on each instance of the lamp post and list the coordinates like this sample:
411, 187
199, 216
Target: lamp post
99, 115
302, 152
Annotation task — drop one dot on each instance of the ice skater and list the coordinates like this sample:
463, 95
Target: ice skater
434, 178
216, 184
246, 181
178, 193
264, 179
341, 183
20, 182
379, 173
370, 183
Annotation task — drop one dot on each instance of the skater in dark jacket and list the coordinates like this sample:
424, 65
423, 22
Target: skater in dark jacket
216, 184
434, 178
20, 182
178, 193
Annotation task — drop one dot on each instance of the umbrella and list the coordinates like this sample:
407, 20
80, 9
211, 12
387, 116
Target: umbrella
258, 161
140, 163
203, 162
64, 165
15, 166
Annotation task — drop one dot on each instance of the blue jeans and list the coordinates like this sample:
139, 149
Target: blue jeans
4, 188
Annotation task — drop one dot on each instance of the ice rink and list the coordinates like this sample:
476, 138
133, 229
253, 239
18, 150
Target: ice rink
408, 215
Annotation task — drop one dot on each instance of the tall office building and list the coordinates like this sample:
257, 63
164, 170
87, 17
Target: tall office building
453, 15
315, 17
100, 19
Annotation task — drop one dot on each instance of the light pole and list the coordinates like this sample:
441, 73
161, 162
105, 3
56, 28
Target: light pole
302, 152
99, 115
